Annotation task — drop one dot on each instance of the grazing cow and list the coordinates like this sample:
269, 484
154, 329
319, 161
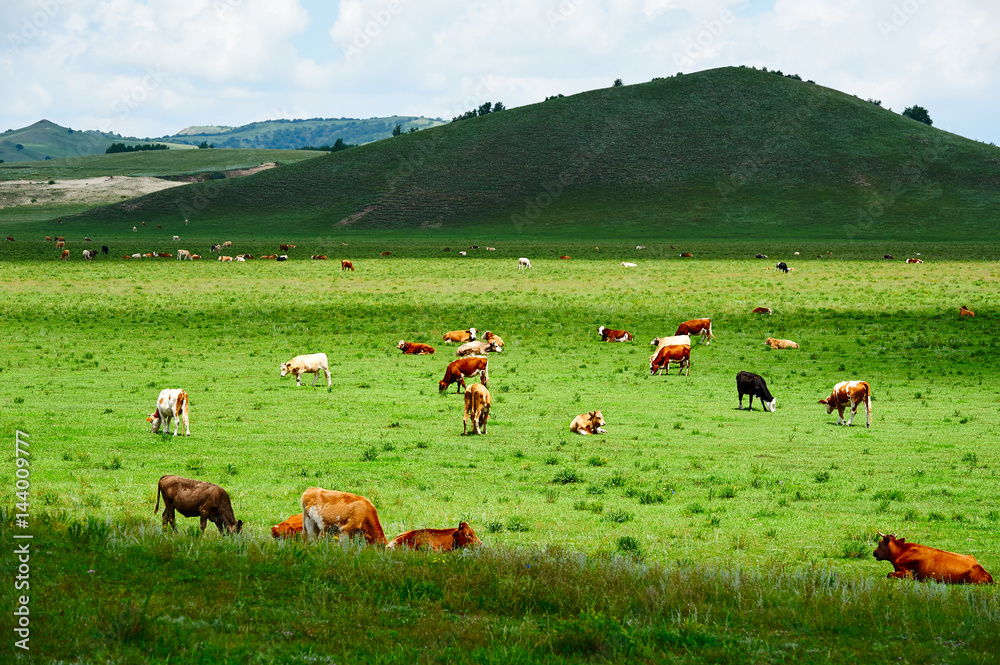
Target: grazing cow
346, 265
216, 248
761, 310
914, 260
340, 512
172, 404
588, 423
290, 528
782, 266
183, 255
748, 383
523, 263
48, 238
285, 248
135, 230
86, 239
65, 255
196, 498
965, 311
701, 327
608, 335
226, 245
928, 563
478, 348
283, 257
680, 353
89, 254
105, 250
60, 238
386, 253
761, 256
565, 257
781, 343
60, 244
687, 255
415, 348
458, 370
312, 363
462, 253
887, 256
492, 337
440, 540
318, 257
459, 336
177, 238
477, 407
629, 264
195, 257
850, 393
224, 258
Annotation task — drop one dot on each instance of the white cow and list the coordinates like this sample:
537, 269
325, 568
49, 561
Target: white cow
89, 254
183, 255
627, 264
477, 348
673, 340
523, 263
313, 363
177, 238
173, 403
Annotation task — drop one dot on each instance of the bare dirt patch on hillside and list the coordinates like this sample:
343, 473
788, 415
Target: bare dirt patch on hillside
92, 191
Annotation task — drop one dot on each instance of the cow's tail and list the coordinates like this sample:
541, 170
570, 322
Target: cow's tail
183, 403
710, 333
158, 490
868, 406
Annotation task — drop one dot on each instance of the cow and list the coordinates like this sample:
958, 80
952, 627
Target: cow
105, 249
159, 227
887, 256
60, 238
477, 407
640, 247
165, 255
290, 528
415, 348
60, 244
523, 263
226, 245
701, 327
126, 256
588, 423
285, 248
680, 353
761, 310
183, 255
748, 383
48, 238
492, 337
965, 311
928, 563
565, 257
346, 265
850, 393
137, 256
608, 335
463, 253
89, 254
441, 540
196, 498
65, 255
86, 239
283, 257
135, 230
216, 248
781, 343
386, 253
687, 255
239, 258
312, 363
245, 257
458, 370
195, 257
660, 342
491, 249
177, 238
478, 348
151, 255
269, 256
172, 404
459, 336
340, 512
782, 266
629, 264
914, 260
761, 256
225, 258
318, 257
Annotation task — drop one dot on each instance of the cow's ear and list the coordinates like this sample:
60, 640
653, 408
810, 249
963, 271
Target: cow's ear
825, 401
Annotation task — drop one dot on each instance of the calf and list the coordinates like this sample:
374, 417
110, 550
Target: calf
415, 348
172, 404
477, 407
680, 353
850, 393
477, 348
340, 512
761, 310
701, 327
196, 498
523, 263
290, 528
588, 423
928, 563
458, 370
748, 383
346, 265
608, 335
781, 343
441, 540
459, 336
312, 363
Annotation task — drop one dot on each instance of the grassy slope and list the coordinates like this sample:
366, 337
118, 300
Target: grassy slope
733, 152
47, 139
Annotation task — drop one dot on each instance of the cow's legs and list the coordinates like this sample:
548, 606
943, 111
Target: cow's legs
329, 381
168, 514
187, 422
840, 412
750, 403
854, 412
315, 376
461, 386
204, 522
741, 401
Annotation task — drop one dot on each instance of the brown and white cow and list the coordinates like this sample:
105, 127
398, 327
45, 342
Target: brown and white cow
701, 327
928, 563
459, 336
965, 311
458, 370
441, 540
196, 498
290, 528
312, 363
850, 394
492, 337
60, 244
340, 512
608, 335
914, 260
588, 423
346, 265
478, 348
687, 255
89, 254
386, 253
65, 255
781, 343
761, 310
415, 348
679, 353
183, 255
226, 245
318, 257
225, 258
269, 256
477, 407
172, 404
285, 248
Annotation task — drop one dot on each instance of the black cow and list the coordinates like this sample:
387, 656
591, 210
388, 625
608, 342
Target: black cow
104, 249
782, 266
748, 383
761, 256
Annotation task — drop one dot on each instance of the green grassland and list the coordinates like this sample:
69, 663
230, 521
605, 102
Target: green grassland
45, 141
690, 532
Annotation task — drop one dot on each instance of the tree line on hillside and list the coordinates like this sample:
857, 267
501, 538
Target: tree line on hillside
481, 111
337, 146
121, 147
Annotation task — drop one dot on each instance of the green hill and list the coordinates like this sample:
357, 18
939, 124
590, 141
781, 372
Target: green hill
725, 153
46, 140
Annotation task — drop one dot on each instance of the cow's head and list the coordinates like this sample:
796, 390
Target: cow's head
442, 386
472, 334
772, 404
600, 331
656, 340
285, 369
154, 418
596, 419
494, 348
830, 404
401, 344
885, 550
236, 528
464, 537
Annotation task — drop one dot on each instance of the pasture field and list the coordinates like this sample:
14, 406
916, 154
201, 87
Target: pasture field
690, 532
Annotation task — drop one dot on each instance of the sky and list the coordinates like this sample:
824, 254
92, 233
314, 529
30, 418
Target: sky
153, 67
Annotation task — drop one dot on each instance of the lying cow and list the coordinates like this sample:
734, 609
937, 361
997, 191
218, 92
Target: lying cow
701, 327
914, 260
965, 311
415, 348
196, 498
477, 407
313, 363
761, 310
477, 348
290, 528
340, 512
173, 404
780, 343
459, 336
458, 370
318, 257
608, 335
441, 540
748, 383
492, 337
629, 264
928, 563
588, 423
679, 353
850, 393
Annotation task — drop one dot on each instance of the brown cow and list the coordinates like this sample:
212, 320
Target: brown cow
442, 540
761, 310
679, 353
290, 528
269, 256
340, 512
386, 254
477, 407
10, 238
318, 257
346, 265
65, 255
928, 563
492, 337
415, 348
194, 498
588, 423
781, 343
565, 257
285, 248
60, 244
850, 393
687, 255
914, 260
608, 335
458, 370
60, 238
701, 327
965, 311
459, 336
48, 238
